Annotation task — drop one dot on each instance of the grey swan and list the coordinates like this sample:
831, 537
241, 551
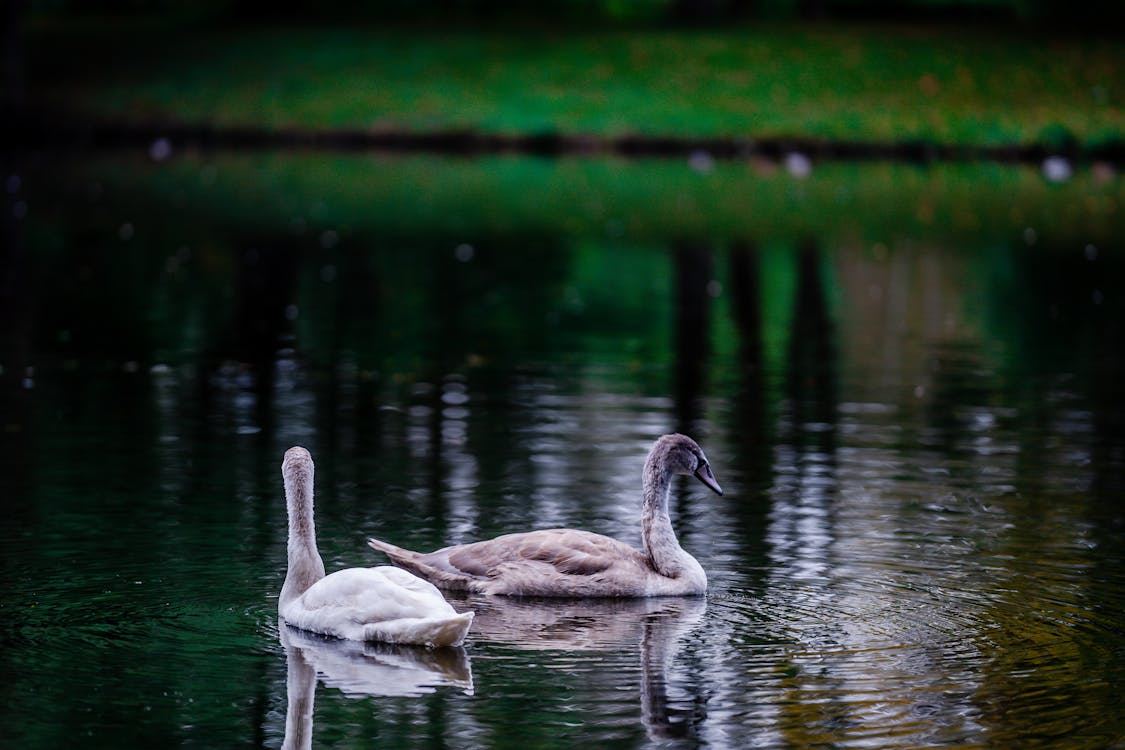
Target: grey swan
359, 604
574, 563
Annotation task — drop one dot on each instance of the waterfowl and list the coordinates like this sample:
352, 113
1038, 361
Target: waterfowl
385, 603
575, 563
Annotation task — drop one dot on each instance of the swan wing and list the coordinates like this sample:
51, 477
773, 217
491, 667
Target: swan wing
566, 551
378, 604
375, 594
549, 562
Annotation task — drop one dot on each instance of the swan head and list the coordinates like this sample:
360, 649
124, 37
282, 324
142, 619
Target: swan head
297, 470
682, 455
296, 457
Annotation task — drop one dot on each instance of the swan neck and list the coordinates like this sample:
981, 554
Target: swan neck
305, 565
658, 536
299, 496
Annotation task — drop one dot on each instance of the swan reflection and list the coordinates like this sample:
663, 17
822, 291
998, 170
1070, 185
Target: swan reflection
658, 627
577, 624
360, 669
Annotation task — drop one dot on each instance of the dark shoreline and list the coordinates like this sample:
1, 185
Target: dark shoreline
55, 130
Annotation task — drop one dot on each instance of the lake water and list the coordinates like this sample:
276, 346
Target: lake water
910, 383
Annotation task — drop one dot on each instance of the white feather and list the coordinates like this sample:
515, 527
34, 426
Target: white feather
385, 604
378, 604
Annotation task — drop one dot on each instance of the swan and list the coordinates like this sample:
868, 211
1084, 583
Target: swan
574, 563
360, 604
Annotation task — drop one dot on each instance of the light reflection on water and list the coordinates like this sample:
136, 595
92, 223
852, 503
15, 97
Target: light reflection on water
919, 544
871, 593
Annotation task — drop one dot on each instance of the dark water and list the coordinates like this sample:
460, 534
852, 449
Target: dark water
918, 425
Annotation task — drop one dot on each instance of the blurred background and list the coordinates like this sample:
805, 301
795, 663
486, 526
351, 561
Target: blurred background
477, 258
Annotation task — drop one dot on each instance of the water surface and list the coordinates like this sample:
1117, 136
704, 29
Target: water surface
917, 425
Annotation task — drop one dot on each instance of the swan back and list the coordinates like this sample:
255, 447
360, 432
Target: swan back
378, 604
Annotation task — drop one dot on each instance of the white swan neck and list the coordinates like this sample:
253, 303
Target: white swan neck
302, 528
305, 566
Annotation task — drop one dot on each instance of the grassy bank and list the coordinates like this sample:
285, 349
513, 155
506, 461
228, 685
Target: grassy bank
871, 83
636, 201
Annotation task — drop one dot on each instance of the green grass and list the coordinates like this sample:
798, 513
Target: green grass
640, 201
849, 83
571, 255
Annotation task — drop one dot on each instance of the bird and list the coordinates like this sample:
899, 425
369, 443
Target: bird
383, 603
575, 563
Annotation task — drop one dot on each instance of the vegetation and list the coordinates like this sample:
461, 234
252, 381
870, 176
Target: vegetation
871, 83
407, 256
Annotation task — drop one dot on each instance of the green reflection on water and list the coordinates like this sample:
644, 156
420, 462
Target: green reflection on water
914, 402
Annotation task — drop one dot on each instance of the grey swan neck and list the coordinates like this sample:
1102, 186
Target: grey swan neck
305, 566
659, 539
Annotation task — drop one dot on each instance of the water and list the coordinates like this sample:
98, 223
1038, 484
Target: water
919, 438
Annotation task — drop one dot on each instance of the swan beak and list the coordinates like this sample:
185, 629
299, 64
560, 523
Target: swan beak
703, 474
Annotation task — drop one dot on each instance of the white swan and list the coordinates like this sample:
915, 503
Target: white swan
360, 604
573, 563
